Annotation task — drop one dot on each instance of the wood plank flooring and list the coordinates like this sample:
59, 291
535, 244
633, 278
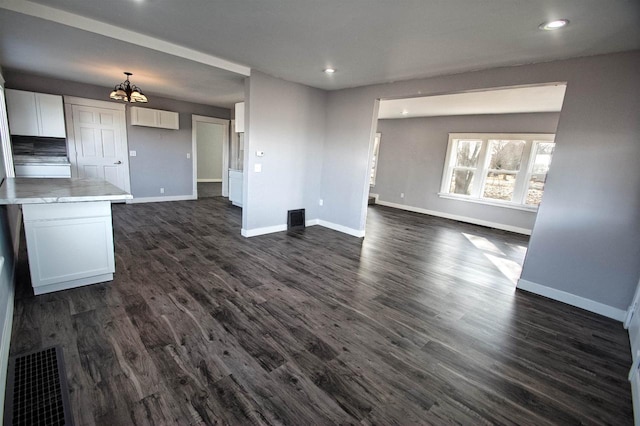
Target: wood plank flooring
419, 323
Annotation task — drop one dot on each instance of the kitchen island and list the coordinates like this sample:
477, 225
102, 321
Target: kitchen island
68, 228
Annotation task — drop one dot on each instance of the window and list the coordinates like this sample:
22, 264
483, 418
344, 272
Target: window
502, 169
374, 160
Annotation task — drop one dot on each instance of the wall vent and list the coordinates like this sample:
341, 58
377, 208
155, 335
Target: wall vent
295, 219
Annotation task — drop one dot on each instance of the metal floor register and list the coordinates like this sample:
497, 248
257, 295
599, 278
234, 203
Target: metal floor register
37, 391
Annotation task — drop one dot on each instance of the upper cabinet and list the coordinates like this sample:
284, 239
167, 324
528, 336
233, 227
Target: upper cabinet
240, 117
35, 114
154, 118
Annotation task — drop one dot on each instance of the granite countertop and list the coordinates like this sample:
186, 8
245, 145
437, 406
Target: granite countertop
40, 159
43, 191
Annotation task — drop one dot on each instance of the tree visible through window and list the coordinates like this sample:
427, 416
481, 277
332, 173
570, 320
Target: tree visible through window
507, 168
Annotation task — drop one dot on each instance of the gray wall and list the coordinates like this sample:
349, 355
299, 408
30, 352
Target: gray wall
287, 122
210, 137
161, 159
412, 155
8, 221
586, 237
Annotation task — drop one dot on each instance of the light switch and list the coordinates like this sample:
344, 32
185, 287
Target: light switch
132, 154
188, 155
257, 167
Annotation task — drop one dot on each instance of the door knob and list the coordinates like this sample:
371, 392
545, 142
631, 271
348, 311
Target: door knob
118, 162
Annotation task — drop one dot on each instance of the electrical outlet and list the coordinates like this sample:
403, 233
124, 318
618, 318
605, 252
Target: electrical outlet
321, 202
402, 195
188, 155
162, 190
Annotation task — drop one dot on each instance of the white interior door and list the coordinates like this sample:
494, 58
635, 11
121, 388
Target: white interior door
100, 146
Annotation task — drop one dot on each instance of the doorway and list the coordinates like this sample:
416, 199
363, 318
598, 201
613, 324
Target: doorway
210, 157
97, 141
479, 157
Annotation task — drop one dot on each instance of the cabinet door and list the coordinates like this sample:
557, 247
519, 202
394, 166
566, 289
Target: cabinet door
143, 117
168, 120
239, 117
64, 250
21, 109
51, 115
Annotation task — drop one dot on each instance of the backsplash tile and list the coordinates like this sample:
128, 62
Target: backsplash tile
31, 145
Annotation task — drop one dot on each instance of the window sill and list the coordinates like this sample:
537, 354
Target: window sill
495, 203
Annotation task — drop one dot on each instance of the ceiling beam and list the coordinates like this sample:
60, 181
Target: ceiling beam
91, 25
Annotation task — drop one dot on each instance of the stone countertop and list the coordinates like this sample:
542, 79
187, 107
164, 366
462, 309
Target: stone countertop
40, 160
44, 191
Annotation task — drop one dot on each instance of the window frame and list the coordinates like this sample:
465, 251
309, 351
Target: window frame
375, 159
523, 175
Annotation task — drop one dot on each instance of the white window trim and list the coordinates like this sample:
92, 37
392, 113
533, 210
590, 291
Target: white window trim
523, 175
376, 155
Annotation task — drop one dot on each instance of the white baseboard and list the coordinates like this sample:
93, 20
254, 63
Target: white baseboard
209, 180
308, 223
573, 300
466, 219
341, 228
262, 231
136, 200
376, 196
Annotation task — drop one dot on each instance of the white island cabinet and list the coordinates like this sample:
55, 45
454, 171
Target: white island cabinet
68, 228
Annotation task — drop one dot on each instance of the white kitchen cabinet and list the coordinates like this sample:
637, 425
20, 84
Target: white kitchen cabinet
69, 244
239, 117
43, 170
35, 114
235, 187
155, 118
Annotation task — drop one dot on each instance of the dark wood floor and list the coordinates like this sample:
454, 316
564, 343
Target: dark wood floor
415, 324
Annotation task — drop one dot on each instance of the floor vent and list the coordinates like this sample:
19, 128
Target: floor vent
295, 219
37, 392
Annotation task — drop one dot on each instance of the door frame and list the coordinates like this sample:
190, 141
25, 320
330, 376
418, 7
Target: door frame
69, 101
195, 119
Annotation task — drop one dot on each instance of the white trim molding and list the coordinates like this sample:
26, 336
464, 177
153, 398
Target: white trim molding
226, 141
341, 228
136, 200
573, 300
209, 180
119, 33
311, 222
460, 218
262, 231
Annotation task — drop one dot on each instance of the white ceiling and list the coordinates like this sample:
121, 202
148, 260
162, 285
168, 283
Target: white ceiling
503, 101
368, 41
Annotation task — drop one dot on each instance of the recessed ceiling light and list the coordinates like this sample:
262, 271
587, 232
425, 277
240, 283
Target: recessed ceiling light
329, 70
554, 25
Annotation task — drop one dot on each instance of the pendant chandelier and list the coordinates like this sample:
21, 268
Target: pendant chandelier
128, 92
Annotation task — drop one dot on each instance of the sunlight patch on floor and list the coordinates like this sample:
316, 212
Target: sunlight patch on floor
481, 243
507, 267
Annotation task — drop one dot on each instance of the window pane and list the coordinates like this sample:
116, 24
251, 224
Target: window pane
461, 181
536, 188
467, 153
499, 186
542, 159
505, 154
